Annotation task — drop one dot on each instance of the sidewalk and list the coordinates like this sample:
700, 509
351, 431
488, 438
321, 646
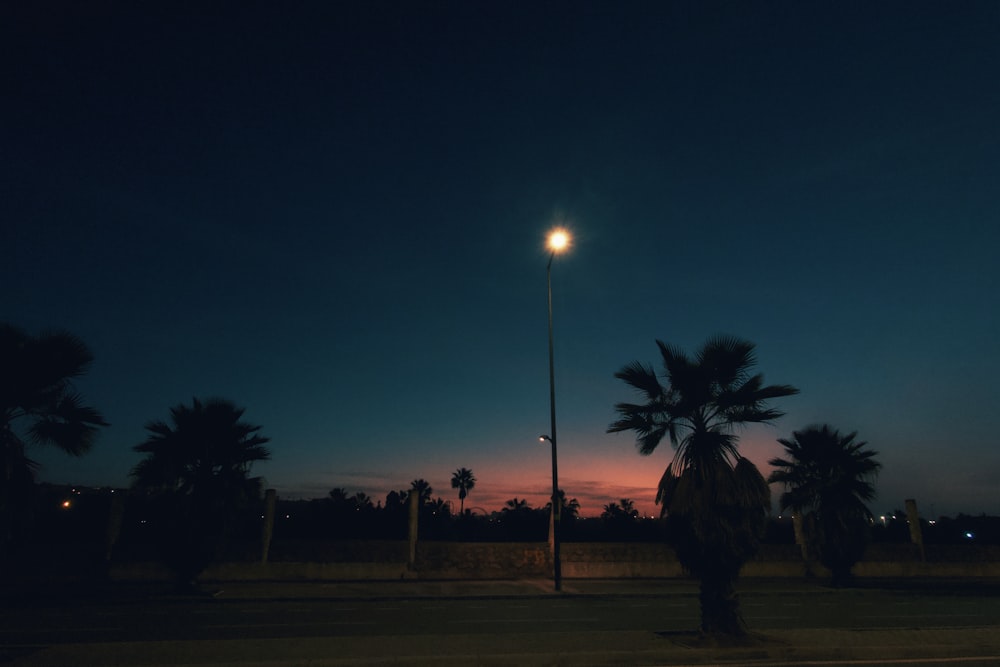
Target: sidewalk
501, 588
447, 588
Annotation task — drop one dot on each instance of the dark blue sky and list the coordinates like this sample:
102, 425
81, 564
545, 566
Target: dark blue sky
334, 215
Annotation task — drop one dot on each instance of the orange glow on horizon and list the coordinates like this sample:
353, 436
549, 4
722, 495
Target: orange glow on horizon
595, 470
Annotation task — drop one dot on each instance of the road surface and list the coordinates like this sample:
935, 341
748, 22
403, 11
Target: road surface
611, 624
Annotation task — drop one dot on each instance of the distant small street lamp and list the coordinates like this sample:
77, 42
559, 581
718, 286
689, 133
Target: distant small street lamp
558, 241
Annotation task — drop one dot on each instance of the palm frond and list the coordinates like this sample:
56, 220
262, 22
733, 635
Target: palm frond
68, 425
729, 357
672, 356
665, 490
776, 391
751, 488
36, 391
642, 378
648, 443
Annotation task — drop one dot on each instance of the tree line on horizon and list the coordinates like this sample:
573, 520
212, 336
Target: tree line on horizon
349, 513
714, 502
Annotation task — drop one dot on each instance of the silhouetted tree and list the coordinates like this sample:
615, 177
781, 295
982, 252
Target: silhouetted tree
515, 505
349, 515
439, 507
198, 470
338, 496
517, 520
39, 405
463, 480
394, 514
623, 509
362, 501
715, 500
828, 479
620, 520
436, 520
423, 490
570, 508
395, 502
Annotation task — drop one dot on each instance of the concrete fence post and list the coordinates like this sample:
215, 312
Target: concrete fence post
267, 528
116, 511
414, 507
800, 538
916, 532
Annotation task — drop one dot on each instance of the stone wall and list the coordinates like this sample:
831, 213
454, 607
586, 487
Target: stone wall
482, 560
384, 560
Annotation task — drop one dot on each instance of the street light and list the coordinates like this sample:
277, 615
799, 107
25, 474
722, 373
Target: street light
558, 241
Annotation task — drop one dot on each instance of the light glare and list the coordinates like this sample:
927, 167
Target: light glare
558, 240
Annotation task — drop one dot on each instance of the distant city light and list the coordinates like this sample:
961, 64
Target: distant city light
65, 504
970, 536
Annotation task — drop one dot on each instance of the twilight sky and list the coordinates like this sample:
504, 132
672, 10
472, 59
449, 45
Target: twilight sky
333, 213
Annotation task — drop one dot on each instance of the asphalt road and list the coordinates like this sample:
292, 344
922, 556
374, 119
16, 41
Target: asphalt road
33, 631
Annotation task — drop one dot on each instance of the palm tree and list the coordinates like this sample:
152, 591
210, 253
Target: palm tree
361, 501
610, 511
395, 501
439, 507
828, 479
394, 513
570, 509
516, 505
628, 509
623, 509
338, 497
198, 470
716, 502
463, 480
423, 489
39, 405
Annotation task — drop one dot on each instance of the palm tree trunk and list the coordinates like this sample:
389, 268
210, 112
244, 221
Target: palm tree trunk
720, 606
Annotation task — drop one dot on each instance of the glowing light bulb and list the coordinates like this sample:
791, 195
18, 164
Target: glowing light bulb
558, 240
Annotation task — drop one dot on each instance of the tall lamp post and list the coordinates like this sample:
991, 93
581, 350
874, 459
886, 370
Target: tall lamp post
558, 241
